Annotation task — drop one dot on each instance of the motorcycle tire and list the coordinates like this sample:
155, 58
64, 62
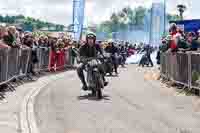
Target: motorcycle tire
93, 93
99, 94
111, 74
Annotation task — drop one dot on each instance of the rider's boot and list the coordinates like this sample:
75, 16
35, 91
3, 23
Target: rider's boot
105, 82
82, 78
84, 87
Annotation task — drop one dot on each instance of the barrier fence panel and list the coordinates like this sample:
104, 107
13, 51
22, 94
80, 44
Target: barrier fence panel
3, 64
176, 67
168, 65
24, 61
45, 59
16, 62
172, 65
183, 70
163, 64
71, 56
37, 65
195, 70
13, 56
43, 54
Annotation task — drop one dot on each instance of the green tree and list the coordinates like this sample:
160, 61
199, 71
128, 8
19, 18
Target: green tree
1, 18
114, 22
20, 17
105, 27
173, 17
139, 16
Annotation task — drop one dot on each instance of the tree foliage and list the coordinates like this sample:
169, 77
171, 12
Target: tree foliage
123, 19
128, 17
29, 22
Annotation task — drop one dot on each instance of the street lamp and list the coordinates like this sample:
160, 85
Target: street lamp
181, 8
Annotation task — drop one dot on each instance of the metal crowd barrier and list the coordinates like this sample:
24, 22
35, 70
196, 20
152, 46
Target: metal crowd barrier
69, 59
195, 70
3, 65
24, 57
43, 54
13, 57
181, 68
15, 62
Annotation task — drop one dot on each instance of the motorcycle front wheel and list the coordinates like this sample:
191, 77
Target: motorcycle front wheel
99, 94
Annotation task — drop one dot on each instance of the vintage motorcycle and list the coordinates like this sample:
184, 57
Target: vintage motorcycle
95, 80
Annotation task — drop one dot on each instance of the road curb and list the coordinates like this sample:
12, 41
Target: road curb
27, 116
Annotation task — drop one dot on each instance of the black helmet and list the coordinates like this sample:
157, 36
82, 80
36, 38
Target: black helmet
90, 36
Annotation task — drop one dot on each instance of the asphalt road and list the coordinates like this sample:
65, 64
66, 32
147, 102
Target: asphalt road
132, 104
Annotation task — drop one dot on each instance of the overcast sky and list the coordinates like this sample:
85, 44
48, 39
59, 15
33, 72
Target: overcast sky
60, 11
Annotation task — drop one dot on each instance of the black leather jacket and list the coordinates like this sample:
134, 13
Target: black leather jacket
88, 51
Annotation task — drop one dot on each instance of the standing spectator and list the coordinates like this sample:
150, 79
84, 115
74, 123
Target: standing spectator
41, 41
148, 53
18, 39
46, 41
192, 39
73, 53
10, 37
52, 43
29, 42
2, 34
166, 44
60, 58
173, 42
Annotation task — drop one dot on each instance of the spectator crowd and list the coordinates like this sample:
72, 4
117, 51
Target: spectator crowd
178, 40
15, 38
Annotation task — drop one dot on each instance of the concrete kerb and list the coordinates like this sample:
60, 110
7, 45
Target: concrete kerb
27, 115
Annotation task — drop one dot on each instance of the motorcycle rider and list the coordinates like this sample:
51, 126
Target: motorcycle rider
148, 51
113, 50
88, 50
123, 53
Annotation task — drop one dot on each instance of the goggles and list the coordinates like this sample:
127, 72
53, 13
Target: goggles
90, 36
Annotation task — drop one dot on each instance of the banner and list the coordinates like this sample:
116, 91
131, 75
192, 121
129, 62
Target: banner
78, 17
188, 25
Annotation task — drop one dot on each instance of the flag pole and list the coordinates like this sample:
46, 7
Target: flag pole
164, 16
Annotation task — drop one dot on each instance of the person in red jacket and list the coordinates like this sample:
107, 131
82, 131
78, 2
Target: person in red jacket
173, 32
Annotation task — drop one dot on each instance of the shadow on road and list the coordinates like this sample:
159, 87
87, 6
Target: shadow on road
93, 98
6, 88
